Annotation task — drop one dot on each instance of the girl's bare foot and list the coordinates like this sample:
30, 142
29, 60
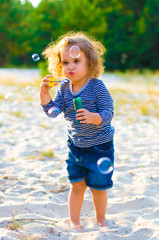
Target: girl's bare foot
101, 222
76, 226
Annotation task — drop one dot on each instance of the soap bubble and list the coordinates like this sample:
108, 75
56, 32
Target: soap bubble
35, 57
74, 52
53, 110
11, 98
104, 165
30, 90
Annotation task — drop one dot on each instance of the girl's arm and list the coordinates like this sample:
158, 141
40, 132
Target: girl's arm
45, 97
104, 103
105, 109
47, 104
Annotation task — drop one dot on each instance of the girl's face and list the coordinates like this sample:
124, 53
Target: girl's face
74, 69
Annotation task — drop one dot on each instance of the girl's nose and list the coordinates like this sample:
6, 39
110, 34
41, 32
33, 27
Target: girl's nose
71, 66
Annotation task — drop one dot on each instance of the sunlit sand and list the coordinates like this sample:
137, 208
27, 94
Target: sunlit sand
34, 191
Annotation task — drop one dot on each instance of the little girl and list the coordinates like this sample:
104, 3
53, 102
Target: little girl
90, 134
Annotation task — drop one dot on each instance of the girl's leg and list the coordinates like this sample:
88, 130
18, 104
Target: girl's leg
75, 200
100, 205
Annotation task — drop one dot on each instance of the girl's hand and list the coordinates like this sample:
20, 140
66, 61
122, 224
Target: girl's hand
84, 116
44, 86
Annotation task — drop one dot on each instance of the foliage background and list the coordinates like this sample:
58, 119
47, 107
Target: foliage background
128, 29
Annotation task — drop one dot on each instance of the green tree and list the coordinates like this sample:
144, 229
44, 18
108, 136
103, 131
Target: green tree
46, 23
83, 15
68, 15
132, 33
147, 28
14, 33
119, 38
128, 29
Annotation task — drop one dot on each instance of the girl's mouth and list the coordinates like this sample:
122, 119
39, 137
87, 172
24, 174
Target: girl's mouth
71, 73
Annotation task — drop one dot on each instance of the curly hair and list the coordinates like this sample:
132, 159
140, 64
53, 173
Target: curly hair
93, 50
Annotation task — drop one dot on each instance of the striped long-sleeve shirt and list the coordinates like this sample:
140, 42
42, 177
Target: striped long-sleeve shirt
95, 98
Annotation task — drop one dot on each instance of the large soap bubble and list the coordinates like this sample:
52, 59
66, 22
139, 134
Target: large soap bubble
74, 52
104, 165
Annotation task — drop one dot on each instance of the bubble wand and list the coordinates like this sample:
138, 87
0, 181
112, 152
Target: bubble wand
52, 81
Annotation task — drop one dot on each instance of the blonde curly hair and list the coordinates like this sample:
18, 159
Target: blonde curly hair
93, 50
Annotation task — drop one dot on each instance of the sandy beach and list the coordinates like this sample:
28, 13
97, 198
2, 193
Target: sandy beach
33, 194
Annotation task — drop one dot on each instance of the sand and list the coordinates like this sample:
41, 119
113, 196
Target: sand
33, 194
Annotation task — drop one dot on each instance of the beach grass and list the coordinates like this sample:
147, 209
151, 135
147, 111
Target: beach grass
144, 102
41, 155
138, 93
17, 114
48, 153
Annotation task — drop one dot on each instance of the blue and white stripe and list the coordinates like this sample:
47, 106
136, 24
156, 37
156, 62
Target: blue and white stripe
95, 98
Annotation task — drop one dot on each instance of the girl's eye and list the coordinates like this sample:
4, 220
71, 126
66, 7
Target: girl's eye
64, 63
76, 61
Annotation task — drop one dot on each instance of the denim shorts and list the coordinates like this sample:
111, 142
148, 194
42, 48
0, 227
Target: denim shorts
82, 165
